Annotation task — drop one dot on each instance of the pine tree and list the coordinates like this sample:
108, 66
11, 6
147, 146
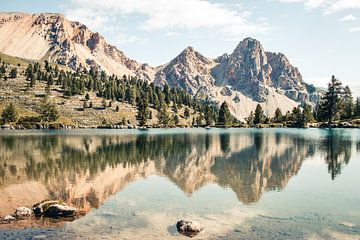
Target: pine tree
209, 115
357, 108
163, 115
13, 73
9, 114
307, 114
331, 102
143, 111
258, 115
187, 113
224, 118
278, 118
49, 112
250, 119
348, 104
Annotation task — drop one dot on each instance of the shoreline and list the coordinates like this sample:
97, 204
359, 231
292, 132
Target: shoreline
57, 126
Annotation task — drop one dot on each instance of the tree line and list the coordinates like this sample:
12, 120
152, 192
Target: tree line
336, 104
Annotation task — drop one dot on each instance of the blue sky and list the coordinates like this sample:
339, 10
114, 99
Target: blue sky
320, 37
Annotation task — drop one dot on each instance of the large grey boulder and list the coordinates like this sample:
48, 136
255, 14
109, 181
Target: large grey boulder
189, 228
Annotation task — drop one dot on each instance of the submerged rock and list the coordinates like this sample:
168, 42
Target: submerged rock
23, 212
58, 211
189, 228
40, 208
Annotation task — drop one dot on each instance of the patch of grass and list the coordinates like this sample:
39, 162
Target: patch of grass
13, 60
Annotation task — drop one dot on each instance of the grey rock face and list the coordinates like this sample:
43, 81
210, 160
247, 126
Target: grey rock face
249, 70
190, 71
189, 228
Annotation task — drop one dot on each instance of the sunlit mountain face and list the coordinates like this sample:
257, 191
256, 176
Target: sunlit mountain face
85, 169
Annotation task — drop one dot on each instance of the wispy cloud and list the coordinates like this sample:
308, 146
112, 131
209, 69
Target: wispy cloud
347, 18
163, 15
328, 6
354, 29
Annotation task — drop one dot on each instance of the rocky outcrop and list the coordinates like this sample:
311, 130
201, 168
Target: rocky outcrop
189, 228
190, 71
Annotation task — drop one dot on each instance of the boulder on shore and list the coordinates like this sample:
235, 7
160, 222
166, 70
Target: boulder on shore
189, 228
23, 212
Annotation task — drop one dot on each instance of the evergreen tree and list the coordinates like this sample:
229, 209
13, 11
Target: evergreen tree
278, 118
331, 102
13, 73
143, 111
163, 115
250, 119
307, 114
348, 104
224, 118
187, 113
9, 114
209, 115
49, 112
258, 115
357, 108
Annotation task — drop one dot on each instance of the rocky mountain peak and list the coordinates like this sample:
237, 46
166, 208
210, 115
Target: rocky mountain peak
189, 70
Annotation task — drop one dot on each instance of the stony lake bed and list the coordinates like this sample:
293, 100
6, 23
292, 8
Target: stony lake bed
133, 184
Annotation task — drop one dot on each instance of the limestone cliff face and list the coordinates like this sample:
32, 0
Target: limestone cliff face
52, 37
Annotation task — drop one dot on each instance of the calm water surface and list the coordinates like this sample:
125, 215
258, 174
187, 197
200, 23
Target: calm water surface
239, 183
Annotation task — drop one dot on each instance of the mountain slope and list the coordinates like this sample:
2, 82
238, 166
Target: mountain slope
248, 76
52, 37
244, 78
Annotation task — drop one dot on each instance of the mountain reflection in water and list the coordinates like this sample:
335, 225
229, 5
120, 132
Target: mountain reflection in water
85, 169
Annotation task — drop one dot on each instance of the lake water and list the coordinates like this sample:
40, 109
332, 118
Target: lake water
239, 183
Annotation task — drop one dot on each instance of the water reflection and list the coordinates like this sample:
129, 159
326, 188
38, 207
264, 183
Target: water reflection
84, 170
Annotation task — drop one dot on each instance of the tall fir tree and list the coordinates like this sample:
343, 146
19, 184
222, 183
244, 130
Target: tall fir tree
225, 117
258, 115
331, 101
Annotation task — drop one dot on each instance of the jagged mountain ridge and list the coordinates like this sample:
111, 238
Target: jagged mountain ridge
244, 78
50, 36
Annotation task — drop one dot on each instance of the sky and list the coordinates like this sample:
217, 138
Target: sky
320, 37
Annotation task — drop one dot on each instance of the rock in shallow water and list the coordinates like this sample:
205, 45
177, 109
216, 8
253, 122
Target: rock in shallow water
40, 208
189, 228
23, 212
57, 211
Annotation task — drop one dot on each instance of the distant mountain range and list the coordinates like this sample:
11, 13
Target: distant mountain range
244, 78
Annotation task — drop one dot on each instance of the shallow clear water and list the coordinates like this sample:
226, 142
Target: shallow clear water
239, 183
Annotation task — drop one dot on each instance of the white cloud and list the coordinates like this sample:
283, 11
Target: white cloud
329, 6
347, 18
354, 29
165, 15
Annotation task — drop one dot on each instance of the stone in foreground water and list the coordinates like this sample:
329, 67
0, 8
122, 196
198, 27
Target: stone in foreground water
189, 228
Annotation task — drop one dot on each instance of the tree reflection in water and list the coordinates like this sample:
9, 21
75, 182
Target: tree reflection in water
86, 169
